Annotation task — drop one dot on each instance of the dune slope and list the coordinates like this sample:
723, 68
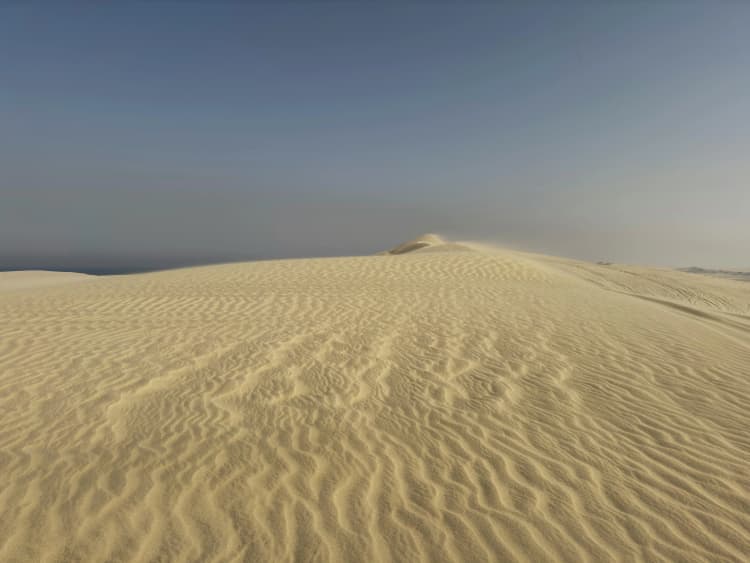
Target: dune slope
427, 406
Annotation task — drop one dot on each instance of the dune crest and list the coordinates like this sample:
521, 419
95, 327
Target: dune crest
428, 243
429, 406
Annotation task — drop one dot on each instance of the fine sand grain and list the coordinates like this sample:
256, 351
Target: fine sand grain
439, 404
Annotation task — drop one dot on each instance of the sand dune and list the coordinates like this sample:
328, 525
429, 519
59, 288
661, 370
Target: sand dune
419, 406
37, 278
429, 243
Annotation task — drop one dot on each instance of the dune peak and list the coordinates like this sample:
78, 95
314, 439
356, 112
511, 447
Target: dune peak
426, 242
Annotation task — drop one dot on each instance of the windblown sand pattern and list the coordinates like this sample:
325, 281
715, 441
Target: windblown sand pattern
436, 405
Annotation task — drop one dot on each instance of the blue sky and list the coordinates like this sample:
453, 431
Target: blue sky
143, 135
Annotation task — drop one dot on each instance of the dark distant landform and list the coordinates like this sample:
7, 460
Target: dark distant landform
731, 274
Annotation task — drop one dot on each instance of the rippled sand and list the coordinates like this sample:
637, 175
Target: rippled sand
444, 404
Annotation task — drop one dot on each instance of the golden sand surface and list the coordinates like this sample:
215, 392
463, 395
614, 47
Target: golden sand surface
451, 402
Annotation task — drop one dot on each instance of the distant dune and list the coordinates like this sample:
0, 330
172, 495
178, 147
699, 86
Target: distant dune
428, 243
440, 402
37, 278
743, 275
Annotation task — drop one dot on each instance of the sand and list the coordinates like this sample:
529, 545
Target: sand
449, 403
37, 278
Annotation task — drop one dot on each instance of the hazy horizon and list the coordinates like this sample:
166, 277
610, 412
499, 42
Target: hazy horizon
151, 136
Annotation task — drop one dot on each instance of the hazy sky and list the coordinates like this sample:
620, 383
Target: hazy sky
146, 135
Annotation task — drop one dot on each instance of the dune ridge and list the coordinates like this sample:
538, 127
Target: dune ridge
26, 279
429, 242
429, 404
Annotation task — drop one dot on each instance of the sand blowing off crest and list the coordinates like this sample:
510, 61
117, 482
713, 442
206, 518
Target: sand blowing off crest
427, 243
423, 405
